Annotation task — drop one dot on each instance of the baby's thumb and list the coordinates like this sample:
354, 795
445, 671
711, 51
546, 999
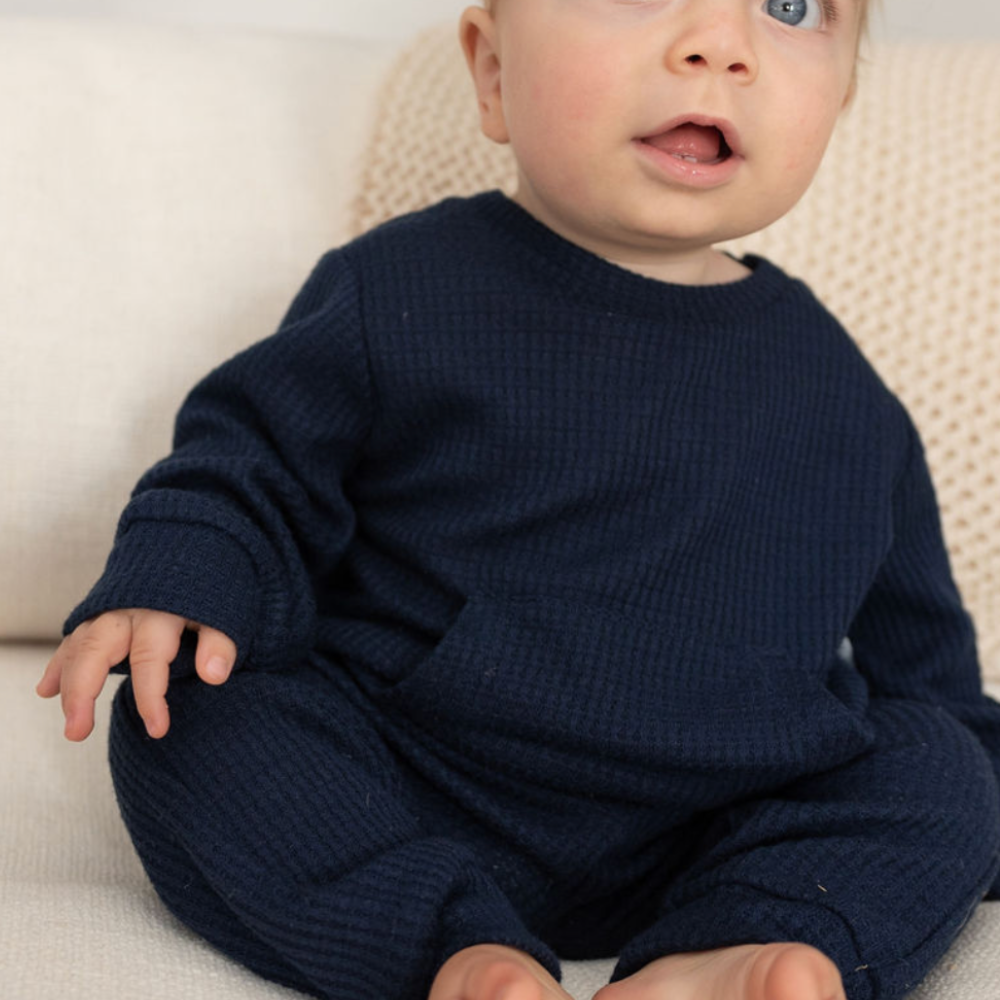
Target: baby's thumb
215, 656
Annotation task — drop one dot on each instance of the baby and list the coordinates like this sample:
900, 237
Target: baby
553, 584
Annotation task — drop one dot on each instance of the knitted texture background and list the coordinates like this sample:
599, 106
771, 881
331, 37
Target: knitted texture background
899, 235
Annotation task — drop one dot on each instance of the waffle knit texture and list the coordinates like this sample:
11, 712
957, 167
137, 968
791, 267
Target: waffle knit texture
566, 527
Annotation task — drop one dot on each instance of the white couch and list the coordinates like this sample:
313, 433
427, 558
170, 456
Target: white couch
164, 191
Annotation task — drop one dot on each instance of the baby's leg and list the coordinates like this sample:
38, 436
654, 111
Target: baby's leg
270, 819
877, 864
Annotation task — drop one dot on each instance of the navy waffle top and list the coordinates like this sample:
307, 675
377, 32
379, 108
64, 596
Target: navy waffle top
468, 430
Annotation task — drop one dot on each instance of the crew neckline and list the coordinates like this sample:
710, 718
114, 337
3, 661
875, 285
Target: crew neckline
586, 277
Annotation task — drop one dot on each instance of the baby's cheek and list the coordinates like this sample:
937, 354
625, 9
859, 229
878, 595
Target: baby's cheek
548, 135
807, 141
574, 85
583, 103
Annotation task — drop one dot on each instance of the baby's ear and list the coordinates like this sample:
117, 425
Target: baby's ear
477, 32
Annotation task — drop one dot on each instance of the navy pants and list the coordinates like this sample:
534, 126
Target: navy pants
303, 829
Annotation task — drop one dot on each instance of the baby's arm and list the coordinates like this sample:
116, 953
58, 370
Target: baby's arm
913, 638
151, 640
237, 528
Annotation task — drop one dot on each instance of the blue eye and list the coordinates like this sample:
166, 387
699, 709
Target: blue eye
797, 13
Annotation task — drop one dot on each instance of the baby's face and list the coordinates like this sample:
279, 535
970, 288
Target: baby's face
648, 127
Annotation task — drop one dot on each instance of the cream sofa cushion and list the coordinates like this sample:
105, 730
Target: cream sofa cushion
163, 194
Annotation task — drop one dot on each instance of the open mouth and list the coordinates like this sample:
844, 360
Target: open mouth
704, 144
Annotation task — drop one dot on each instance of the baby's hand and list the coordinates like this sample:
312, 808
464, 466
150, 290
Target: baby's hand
151, 640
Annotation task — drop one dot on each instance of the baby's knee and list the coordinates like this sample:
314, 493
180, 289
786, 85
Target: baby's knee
940, 775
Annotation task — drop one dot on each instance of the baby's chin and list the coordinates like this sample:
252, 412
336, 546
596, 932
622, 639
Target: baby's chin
656, 237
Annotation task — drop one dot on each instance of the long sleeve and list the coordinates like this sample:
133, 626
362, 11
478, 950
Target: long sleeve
235, 526
913, 638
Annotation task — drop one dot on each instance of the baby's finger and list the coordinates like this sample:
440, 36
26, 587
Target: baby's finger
156, 639
48, 686
215, 656
84, 662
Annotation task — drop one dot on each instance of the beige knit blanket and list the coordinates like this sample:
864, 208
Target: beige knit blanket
899, 235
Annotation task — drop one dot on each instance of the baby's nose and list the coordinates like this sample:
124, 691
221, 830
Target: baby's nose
714, 36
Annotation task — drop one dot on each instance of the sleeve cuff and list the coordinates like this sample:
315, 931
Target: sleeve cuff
195, 571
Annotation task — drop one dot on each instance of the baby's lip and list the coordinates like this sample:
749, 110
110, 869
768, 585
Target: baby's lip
729, 132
